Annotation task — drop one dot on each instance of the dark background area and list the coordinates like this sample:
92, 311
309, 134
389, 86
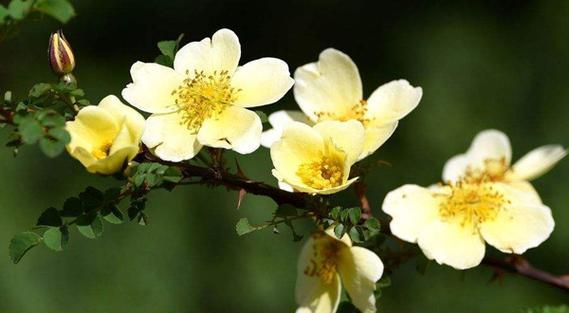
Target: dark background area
481, 65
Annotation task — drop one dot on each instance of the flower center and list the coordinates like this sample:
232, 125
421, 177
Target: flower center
204, 96
357, 112
102, 151
324, 173
323, 262
472, 203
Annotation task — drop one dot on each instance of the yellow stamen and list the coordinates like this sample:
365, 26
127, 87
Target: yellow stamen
357, 112
323, 262
204, 96
325, 172
102, 151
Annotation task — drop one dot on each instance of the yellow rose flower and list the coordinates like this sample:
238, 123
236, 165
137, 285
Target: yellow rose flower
105, 137
203, 100
484, 201
317, 160
325, 263
490, 155
331, 89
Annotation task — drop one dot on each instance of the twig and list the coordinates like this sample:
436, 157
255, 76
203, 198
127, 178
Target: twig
520, 266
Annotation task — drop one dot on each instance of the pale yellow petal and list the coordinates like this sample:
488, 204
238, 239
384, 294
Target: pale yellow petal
93, 127
115, 162
170, 138
455, 168
520, 226
489, 145
393, 101
312, 293
360, 269
278, 120
451, 243
411, 208
537, 162
220, 53
122, 113
331, 85
347, 136
151, 88
298, 144
260, 82
526, 190
375, 136
235, 128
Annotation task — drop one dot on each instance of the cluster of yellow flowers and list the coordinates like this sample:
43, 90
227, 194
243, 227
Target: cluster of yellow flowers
204, 99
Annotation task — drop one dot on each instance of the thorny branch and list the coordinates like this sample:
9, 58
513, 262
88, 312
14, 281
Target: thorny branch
220, 177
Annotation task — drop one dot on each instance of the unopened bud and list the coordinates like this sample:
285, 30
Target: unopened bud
61, 58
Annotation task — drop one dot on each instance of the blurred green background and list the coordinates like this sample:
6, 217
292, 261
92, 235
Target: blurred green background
482, 65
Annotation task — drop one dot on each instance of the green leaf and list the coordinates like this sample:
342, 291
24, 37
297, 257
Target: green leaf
91, 198
113, 215
72, 207
50, 217
339, 230
168, 48
163, 60
51, 148
90, 226
243, 227
19, 8
56, 238
354, 214
21, 244
60, 10
30, 130
39, 90
372, 224
263, 116
384, 282
3, 13
356, 234
335, 212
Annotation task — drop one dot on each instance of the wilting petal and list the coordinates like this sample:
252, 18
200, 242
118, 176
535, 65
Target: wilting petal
519, 226
170, 138
151, 88
260, 82
411, 207
220, 53
331, 85
236, 128
393, 101
537, 162
360, 269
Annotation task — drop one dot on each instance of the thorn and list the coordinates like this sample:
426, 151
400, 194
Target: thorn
241, 196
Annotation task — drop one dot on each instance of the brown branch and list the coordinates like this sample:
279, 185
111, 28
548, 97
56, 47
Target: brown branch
520, 266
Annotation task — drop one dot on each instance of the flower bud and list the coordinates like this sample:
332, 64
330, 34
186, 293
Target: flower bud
61, 58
